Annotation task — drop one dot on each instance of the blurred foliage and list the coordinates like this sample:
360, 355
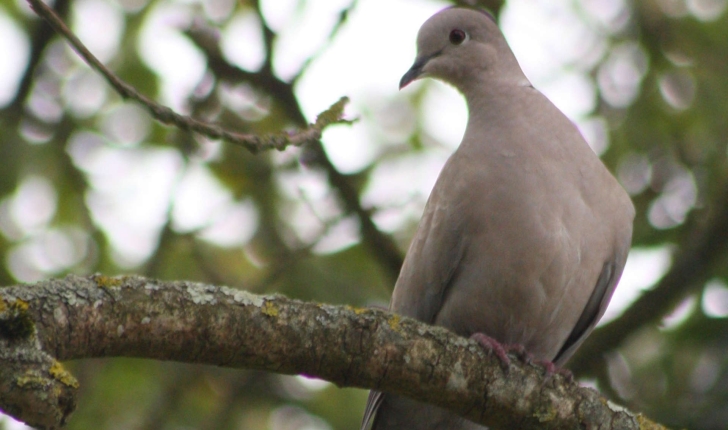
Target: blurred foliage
66, 141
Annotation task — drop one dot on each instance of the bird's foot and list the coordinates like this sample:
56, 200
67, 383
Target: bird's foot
492, 345
520, 351
501, 352
551, 369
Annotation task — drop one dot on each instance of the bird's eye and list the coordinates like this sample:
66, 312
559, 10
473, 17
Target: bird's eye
457, 36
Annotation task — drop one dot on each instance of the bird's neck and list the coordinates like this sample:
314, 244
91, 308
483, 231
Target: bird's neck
491, 97
496, 109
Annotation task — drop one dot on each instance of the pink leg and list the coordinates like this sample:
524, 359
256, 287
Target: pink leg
520, 352
492, 345
551, 369
501, 351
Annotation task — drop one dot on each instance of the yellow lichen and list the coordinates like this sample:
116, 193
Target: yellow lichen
545, 413
29, 380
357, 311
59, 373
394, 322
270, 309
646, 424
15, 321
103, 281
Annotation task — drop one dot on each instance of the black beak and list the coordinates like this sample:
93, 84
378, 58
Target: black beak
414, 72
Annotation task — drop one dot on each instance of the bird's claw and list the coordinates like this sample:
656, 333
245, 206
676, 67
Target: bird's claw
493, 346
551, 369
501, 352
520, 351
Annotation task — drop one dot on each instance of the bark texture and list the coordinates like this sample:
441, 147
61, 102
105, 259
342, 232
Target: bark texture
100, 316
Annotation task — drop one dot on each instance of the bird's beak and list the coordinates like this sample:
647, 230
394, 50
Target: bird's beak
414, 72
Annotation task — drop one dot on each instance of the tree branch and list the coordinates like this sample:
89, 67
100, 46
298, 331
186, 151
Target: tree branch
42, 36
99, 316
165, 115
383, 247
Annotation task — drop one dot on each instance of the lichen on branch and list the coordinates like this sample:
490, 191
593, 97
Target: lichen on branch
100, 316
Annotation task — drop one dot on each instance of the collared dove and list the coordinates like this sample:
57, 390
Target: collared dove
526, 232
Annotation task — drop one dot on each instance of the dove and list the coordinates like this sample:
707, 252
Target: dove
525, 234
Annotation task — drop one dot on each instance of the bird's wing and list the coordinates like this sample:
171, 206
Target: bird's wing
427, 272
594, 309
434, 254
373, 403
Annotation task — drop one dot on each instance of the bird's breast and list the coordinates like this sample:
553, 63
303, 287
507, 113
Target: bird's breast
526, 257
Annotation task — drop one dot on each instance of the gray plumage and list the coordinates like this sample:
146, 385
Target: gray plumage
526, 232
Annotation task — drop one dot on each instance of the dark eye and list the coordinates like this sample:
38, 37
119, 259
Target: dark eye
457, 36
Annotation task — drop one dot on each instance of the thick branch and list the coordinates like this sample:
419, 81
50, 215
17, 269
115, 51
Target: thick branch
165, 115
98, 316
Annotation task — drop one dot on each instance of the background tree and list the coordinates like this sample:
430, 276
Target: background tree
90, 183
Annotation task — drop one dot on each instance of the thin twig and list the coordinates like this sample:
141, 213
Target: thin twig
165, 115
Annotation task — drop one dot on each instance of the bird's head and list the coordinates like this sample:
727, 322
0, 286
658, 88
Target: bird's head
458, 46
